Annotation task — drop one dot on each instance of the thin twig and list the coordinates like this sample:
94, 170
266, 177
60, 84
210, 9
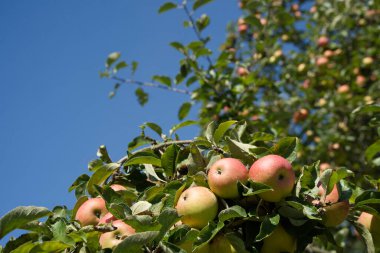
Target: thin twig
156, 85
197, 32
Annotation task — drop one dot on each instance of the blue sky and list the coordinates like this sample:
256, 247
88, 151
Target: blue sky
54, 108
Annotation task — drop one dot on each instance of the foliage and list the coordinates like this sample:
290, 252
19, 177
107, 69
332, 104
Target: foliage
293, 78
155, 176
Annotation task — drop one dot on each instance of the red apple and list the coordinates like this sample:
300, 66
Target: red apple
344, 88
224, 175
372, 223
110, 240
323, 41
242, 71
197, 206
300, 115
276, 172
322, 60
108, 218
332, 197
91, 211
360, 80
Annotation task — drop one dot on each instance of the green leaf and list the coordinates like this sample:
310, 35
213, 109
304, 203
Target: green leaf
369, 198
151, 172
50, 247
366, 235
143, 158
331, 177
140, 207
80, 185
232, 212
154, 127
168, 160
210, 131
134, 243
181, 125
100, 176
306, 181
79, 202
167, 219
115, 202
163, 79
200, 3
222, 129
167, 6
24, 248
287, 147
240, 150
267, 226
372, 150
134, 66
142, 96
138, 142
112, 57
367, 108
198, 159
20, 216
120, 65
202, 23
255, 188
184, 110
178, 46
103, 154
206, 234
21, 244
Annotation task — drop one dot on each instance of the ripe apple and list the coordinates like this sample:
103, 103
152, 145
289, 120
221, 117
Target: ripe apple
300, 115
91, 211
323, 41
108, 218
328, 53
372, 223
276, 172
332, 197
113, 238
224, 175
242, 25
360, 80
335, 214
279, 241
242, 71
118, 187
344, 88
197, 206
322, 60
221, 244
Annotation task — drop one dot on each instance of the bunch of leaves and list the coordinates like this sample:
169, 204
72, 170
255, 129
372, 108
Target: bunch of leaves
156, 173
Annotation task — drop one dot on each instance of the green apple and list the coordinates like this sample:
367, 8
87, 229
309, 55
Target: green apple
113, 238
221, 244
91, 211
279, 241
372, 223
276, 172
197, 206
335, 214
188, 247
224, 175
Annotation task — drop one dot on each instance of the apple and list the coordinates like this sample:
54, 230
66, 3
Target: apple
108, 218
188, 247
279, 241
197, 206
118, 187
224, 175
344, 88
295, 7
335, 214
367, 61
300, 115
242, 25
301, 67
221, 244
360, 80
242, 71
328, 53
372, 223
313, 9
324, 166
112, 239
322, 60
276, 172
332, 197
91, 211
323, 41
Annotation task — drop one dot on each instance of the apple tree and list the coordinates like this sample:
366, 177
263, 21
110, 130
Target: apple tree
287, 159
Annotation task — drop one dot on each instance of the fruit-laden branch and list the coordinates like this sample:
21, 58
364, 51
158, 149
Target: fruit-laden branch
154, 147
156, 85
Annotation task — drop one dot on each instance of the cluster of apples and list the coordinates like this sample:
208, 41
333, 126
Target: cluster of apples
198, 205
94, 212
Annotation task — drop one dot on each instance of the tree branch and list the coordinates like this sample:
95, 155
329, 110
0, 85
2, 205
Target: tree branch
155, 85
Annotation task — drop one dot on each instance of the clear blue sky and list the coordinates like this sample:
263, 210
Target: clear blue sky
54, 109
